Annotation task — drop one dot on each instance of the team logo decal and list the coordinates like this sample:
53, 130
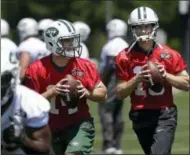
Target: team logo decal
165, 55
77, 73
51, 32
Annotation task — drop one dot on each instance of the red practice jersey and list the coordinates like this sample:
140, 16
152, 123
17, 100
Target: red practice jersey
129, 64
42, 74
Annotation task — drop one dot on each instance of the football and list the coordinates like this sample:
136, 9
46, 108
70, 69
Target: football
156, 75
71, 97
72, 82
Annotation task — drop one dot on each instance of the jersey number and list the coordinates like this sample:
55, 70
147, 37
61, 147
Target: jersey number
140, 90
53, 109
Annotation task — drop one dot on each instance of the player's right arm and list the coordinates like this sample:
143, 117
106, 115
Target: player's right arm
125, 87
54, 90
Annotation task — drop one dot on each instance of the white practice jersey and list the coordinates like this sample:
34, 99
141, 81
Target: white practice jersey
111, 49
32, 107
35, 47
85, 52
9, 46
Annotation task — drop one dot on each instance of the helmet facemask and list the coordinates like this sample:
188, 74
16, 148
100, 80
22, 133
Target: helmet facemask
149, 34
69, 46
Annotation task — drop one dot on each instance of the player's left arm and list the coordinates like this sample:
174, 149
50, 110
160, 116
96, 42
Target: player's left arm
175, 74
180, 80
96, 90
97, 94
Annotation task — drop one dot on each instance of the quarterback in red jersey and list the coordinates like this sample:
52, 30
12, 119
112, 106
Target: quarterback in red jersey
72, 127
153, 112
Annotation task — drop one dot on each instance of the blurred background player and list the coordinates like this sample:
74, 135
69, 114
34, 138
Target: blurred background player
111, 112
6, 42
71, 124
31, 47
161, 36
43, 24
84, 30
24, 114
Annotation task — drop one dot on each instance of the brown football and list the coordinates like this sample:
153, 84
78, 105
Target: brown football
72, 97
72, 82
156, 75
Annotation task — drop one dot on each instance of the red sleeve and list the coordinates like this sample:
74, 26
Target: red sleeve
176, 64
31, 80
121, 68
93, 76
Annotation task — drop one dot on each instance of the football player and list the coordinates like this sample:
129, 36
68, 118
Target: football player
153, 111
72, 126
24, 114
84, 30
111, 112
6, 42
31, 47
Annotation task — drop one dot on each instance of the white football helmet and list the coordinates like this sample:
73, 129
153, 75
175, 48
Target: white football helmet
43, 25
9, 76
58, 32
143, 16
27, 27
83, 29
4, 28
116, 28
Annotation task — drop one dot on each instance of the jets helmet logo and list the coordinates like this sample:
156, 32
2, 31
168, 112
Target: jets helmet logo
52, 32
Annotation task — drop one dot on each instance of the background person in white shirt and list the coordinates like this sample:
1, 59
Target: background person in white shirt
31, 47
6, 42
111, 112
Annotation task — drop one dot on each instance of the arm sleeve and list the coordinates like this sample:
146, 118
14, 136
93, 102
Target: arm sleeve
93, 76
176, 64
31, 79
121, 68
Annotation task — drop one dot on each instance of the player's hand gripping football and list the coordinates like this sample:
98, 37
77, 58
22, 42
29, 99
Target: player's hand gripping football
61, 87
82, 91
162, 69
144, 74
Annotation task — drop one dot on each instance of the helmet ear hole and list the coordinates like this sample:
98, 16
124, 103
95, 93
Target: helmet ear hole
50, 43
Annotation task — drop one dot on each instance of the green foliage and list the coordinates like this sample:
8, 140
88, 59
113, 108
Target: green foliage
94, 13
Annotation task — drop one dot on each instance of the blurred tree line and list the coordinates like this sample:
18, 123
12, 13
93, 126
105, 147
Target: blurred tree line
95, 13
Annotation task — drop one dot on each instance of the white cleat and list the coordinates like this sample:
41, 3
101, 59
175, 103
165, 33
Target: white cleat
118, 151
110, 150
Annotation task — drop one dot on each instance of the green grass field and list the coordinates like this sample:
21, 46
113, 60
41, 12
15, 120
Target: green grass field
130, 144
